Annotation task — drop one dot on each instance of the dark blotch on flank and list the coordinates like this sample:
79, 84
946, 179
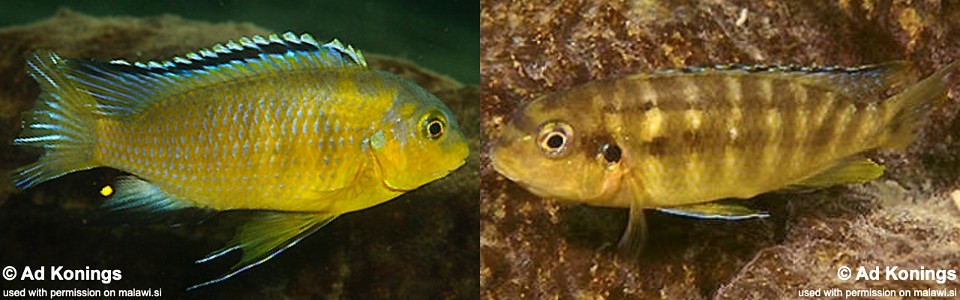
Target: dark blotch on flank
629, 108
657, 146
692, 138
860, 105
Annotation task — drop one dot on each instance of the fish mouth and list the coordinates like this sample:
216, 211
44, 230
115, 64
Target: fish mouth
495, 162
609, 187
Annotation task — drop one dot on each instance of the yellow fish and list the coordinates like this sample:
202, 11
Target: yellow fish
301, 131
680, 140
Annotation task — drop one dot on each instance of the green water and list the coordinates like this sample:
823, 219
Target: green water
441, 35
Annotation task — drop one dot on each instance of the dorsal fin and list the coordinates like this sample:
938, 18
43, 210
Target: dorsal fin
123, 89
868, 82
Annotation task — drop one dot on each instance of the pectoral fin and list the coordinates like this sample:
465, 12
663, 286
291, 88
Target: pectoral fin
635, 235
266, 235
715, 210
859, 170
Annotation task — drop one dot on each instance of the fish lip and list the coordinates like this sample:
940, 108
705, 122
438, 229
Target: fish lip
611, 185
498, 167
506, 173
460, 165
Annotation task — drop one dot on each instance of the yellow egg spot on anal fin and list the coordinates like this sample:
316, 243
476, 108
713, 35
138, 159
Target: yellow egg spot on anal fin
265, 235
855, 170
106, 191
132, 194
134, 200
715, 210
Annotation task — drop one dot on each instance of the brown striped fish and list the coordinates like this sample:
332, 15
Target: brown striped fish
680, 140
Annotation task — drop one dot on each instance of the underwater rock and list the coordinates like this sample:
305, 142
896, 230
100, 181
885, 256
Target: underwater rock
410, 247
910, 228
533, 247
956, 198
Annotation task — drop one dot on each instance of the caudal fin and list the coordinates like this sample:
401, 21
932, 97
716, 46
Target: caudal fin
905, 110
61, 122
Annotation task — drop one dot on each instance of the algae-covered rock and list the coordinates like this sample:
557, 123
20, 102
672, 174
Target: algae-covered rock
534, 247
411, 247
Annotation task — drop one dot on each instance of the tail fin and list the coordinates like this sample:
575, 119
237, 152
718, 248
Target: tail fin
62, 122
905, 110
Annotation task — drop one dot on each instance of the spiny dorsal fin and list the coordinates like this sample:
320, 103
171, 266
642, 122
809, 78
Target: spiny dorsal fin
123, 89
868, 82
256, 47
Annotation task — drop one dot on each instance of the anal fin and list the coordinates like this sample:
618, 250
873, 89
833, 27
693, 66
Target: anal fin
715, 210
264, 236
137, 200
858, 170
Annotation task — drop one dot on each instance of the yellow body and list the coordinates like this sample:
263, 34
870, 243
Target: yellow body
299, 131
680, 140
249, 145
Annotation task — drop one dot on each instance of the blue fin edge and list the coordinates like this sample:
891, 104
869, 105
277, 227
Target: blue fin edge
243, 49
124, 89
265, 236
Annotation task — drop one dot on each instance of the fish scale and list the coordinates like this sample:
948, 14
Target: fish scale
776, 122
296, 131
684, 139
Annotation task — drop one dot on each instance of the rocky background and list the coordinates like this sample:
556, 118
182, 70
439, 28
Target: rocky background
539, 248
423, 245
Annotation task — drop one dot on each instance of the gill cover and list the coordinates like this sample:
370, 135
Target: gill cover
422, 141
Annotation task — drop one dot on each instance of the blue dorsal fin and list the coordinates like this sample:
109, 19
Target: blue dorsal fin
868, 82
123, 88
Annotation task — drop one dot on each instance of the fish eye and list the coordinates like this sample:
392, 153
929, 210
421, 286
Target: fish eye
611, 153
433, 127
554, 137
